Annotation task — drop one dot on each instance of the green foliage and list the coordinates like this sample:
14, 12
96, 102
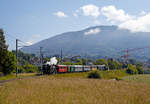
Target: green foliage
94, 74
7, 59
10, 63
140, 69
124, 65
131, 69
67, 63
78, 62
21, 69
24, 58
30, 68
101, 62
114, 64
113, 74
26, 62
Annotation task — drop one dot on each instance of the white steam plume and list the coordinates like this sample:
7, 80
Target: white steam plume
53, 61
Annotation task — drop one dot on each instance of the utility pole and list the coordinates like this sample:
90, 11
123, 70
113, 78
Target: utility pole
86, 59
41, 58
61, 56
127, 56
17, 57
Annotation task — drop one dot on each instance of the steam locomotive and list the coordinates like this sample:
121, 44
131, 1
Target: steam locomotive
54, 69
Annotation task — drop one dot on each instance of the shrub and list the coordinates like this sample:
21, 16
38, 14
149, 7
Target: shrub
21, 69
131, 70
30, 68
94, 74
140, 70
118, 78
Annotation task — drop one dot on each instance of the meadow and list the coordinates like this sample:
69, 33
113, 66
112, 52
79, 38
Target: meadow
75, 88
143, 78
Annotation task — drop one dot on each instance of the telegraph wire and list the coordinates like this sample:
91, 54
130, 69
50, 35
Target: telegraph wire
24, 44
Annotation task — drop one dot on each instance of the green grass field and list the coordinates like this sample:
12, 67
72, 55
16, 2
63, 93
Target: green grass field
105, 74
76, 88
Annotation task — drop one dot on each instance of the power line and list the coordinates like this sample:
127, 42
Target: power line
17, 38
11, 36
41, 58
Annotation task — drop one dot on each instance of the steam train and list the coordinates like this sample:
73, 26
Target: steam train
54, 69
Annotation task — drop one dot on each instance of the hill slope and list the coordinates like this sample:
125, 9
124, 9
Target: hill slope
95, 41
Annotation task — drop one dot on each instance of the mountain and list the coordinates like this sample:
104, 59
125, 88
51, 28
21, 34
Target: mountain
98, 41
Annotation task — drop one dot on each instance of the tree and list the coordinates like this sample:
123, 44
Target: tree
67, 63
114, 64
3, 45
101, 62
140, 69
78, 62
10, 63
3, 50
131, 69
29, 68
7, 59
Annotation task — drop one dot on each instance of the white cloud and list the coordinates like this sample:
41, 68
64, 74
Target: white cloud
140, 24
115, 15
126, 21
60, 14
30, 42
90, 10
93, 31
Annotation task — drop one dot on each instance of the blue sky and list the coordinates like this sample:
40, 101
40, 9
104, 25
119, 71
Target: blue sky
35, 20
